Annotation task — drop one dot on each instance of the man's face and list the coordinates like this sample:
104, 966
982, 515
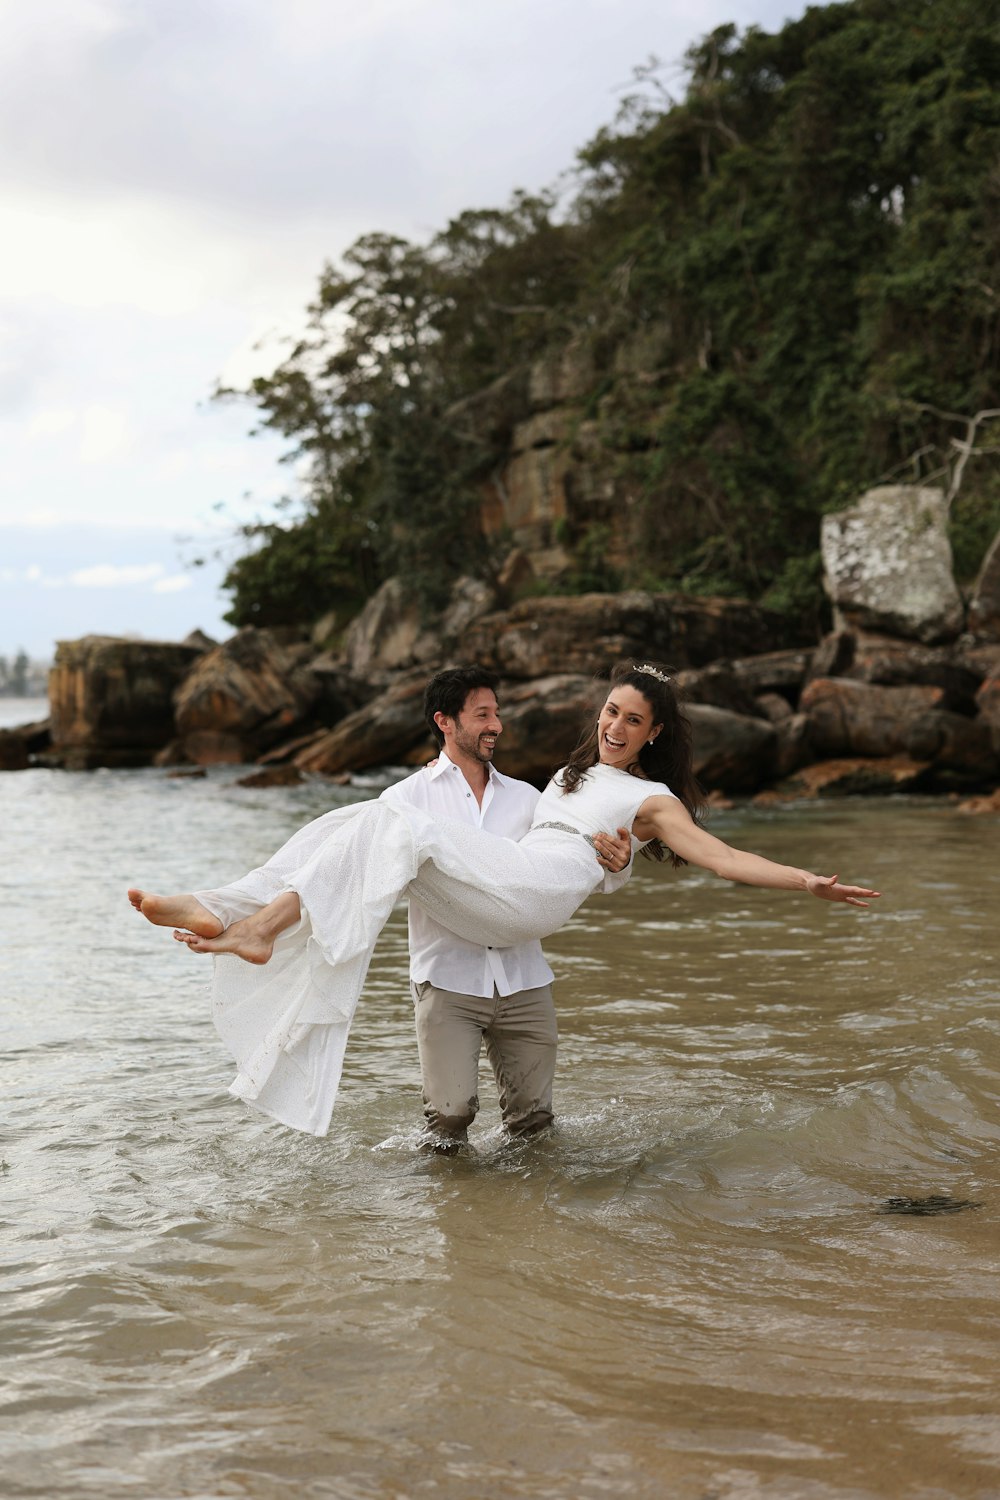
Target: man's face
477, 726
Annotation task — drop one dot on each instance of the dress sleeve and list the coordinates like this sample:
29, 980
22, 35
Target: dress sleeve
615, 879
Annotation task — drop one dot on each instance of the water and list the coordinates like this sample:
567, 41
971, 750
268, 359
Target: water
17, 711
694, 1288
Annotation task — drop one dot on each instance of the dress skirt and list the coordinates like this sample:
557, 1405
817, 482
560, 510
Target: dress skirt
287, 1022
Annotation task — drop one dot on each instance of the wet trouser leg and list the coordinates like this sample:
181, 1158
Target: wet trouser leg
521, 1037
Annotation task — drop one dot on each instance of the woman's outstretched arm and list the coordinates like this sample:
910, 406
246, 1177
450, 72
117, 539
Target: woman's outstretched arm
668, 819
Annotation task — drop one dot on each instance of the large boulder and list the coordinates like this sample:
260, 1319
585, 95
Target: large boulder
834, 655
13, 751
542, 723
588, 633
387, 635
887, 563
854, 777
862, 719
984, 606
718, 685
111, 700
793, 747
890, 662
24, 745
241, 698
732, 752
774, 672
955, 743
988, 703
380, 733
391, 635
337, 693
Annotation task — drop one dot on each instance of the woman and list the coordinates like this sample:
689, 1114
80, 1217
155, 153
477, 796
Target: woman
293, 939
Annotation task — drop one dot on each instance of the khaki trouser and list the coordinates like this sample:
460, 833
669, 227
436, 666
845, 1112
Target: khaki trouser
520, 1034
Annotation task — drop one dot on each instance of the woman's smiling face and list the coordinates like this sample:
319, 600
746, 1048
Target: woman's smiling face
624, 726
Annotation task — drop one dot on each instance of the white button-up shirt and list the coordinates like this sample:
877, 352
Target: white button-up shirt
448, 961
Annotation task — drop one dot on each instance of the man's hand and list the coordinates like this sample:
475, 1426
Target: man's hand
613, 853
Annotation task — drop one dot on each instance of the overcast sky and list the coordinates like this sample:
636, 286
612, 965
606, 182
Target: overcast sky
175, 173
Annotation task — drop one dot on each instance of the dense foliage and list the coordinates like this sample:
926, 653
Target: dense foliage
782, 288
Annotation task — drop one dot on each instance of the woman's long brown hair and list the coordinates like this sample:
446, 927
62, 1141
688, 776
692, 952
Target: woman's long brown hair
669, 758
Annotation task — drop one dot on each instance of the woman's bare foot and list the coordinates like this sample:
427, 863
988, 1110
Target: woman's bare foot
244, 939
251, 938
176, 911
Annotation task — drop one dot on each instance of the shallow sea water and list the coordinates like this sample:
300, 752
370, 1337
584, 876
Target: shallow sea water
757, 1258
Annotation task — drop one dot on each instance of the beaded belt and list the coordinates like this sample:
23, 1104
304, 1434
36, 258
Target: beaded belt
565, 828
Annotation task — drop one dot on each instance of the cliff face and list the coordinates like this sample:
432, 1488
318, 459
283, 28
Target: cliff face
563, 473
111, 701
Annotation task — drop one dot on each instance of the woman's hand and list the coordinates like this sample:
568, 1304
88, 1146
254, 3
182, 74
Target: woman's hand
613, 853
827, 888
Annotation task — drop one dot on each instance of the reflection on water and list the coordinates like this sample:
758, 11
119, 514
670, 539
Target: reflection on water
693, 1287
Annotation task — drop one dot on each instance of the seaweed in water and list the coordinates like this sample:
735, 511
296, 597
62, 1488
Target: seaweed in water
937, 1203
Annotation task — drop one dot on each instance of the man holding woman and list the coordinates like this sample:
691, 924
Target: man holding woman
294, 938
465, 993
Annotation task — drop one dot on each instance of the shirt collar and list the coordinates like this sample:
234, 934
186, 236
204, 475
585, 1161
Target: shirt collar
445, 765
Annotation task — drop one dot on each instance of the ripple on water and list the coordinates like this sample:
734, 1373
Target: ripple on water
694, 1275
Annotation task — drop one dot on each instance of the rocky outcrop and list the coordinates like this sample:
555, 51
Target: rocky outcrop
979, 805
878, 712
883, 661
381, 733
534, 483
390, 634
731, 751
13, 751
857, 718
20, 747
387, 635
984, 606
854, 777
240, 699
111, 700
272, 776
953, 744
587, 633
887, 563
542, 722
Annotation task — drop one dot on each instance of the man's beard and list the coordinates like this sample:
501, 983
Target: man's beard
472, 745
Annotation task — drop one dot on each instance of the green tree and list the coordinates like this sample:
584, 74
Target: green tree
786, 284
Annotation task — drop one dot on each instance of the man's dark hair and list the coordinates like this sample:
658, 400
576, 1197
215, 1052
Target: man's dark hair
447, 691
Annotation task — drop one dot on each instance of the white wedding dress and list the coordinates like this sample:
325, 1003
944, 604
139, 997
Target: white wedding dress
287, 1022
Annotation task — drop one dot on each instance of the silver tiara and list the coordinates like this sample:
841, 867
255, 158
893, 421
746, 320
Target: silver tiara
651, 671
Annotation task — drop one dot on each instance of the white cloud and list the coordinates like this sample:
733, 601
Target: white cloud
116, 575
175, 584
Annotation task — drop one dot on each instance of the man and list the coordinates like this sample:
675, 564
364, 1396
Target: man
465, 994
